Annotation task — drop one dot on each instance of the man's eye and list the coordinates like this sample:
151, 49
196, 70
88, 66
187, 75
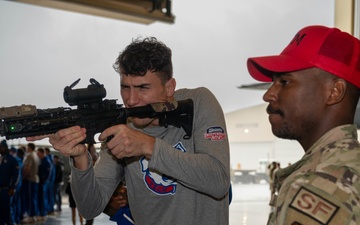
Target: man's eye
283, 82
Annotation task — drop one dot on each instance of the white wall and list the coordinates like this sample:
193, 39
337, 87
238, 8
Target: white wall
249, 125
247, 155
258, 142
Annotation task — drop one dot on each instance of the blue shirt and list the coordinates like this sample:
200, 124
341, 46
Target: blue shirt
44, 170
9, 171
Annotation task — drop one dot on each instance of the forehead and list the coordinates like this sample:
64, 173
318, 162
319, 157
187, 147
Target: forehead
306, 74
148, 78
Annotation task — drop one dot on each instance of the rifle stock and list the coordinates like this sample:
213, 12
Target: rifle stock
92, 112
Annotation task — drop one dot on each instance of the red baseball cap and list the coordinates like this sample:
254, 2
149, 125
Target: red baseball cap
329, 49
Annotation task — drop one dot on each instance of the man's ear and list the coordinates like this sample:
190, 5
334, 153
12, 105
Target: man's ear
170, 87
337, 92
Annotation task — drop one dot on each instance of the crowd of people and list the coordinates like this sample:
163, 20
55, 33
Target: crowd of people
31, 185
31, 180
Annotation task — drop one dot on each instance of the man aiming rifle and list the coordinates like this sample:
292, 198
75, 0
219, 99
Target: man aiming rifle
170, 179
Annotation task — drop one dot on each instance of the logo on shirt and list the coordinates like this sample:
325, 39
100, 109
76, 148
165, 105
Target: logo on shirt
215, 133
159, 184
314, 206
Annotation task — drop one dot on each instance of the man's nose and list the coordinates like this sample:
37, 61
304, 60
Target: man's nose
133, 97
270, 94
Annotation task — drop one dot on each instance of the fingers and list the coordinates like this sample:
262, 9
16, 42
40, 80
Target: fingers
60, 134
127, 142
111, 131
119, 140
70, 135
39, 137
66, 141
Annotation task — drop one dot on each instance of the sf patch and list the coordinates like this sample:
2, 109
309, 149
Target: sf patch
314, 206
215, 133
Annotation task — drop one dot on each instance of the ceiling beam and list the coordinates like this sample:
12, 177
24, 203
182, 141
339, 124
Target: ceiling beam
139, 11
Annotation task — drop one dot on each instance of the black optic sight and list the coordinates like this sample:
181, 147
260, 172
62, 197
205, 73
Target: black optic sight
95, 92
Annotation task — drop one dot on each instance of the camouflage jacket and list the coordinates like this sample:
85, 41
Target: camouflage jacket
323, 187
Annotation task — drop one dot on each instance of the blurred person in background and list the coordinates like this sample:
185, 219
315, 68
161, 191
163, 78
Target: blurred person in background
30, 184
9, 177
58, 182
50, 191
44, 180
19, 156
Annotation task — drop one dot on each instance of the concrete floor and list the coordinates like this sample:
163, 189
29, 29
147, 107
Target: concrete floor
249, 206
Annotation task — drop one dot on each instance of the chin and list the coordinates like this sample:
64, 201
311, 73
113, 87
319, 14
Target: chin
141, 123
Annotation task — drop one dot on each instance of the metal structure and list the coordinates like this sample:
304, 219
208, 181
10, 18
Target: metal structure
139, 11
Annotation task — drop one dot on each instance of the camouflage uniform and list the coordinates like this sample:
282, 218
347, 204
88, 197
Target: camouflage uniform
323, 187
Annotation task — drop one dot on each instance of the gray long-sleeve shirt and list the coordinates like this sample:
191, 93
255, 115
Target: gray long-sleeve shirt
185, 182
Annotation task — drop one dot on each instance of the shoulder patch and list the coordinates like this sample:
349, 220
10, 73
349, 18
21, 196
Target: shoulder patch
215, 133
314, 206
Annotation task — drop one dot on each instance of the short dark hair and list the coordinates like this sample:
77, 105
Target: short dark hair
31, 146
20, 152
144, 55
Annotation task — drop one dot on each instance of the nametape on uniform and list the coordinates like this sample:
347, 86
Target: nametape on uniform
314, 206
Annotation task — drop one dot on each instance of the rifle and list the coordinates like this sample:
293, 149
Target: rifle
92, 112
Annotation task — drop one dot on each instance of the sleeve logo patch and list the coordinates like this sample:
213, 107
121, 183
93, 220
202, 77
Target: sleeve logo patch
215, 133
314, 206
